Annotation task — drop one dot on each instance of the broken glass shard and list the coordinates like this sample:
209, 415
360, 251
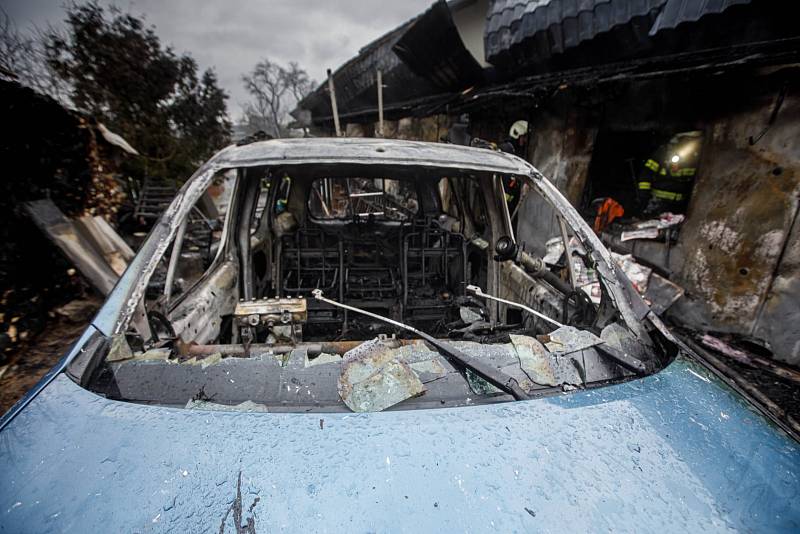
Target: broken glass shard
373, 378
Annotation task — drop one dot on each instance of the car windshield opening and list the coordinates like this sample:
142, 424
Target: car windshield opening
334, 288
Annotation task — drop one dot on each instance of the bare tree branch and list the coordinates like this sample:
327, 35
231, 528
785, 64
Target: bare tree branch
23, 58
274, 91
300, 85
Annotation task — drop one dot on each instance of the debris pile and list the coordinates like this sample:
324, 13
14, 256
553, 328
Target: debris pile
749, 364
57, 154
659, 292
652, 229
746, 358
90, 243
381, 373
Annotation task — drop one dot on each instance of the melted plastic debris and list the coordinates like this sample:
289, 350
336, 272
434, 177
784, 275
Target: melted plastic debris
543, 367
554, 250
416, 352
323, 358
534, 359
211, 359
639, 275
246, 406
426, 363
662, 293
374, 378
615, 335
120, 350
568, 339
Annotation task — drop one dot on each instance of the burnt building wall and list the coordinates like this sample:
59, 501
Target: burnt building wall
738, 254
561, 144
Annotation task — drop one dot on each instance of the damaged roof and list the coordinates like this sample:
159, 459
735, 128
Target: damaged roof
355, 81
370, 151
433, 49
677, 12
423, 56
531, 31
427, 66
549, 27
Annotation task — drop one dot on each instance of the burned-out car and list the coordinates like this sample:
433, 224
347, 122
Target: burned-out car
365, 346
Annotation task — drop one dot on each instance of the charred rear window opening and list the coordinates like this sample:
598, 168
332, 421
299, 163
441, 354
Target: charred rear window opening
362, 198
241, 328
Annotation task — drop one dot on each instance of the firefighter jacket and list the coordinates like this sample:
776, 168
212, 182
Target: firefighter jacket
665, 180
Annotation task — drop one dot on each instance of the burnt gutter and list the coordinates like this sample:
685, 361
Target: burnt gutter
712, 59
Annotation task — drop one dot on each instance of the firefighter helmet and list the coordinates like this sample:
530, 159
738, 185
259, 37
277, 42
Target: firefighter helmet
518, 128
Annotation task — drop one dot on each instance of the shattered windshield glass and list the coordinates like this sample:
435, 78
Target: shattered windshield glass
332, 293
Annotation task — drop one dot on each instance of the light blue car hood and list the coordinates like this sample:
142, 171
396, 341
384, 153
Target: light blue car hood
676, 451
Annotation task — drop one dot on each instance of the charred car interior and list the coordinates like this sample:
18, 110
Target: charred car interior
354, 281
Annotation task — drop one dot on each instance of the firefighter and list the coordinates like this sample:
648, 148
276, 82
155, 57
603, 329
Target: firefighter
516, 143
666, 180
517, 139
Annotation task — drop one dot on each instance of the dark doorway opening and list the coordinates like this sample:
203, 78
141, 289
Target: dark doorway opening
617, 161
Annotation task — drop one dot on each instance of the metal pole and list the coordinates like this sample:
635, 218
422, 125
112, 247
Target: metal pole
380, 103
334, 108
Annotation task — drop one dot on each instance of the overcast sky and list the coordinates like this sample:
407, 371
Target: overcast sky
232, 35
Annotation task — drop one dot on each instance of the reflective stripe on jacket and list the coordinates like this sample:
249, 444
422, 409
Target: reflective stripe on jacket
667, 195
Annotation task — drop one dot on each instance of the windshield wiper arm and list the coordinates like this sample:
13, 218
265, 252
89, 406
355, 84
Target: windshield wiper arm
479, 292
625, 360
494, 376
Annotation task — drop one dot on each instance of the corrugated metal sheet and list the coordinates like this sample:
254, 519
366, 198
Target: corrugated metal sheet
432, 48
422, 57
425, 57
676, 12
533, 30
556, 25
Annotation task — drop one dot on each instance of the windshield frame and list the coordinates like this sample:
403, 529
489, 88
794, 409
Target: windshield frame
123, 303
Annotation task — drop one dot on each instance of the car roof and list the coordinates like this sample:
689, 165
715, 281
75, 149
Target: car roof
369, 151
